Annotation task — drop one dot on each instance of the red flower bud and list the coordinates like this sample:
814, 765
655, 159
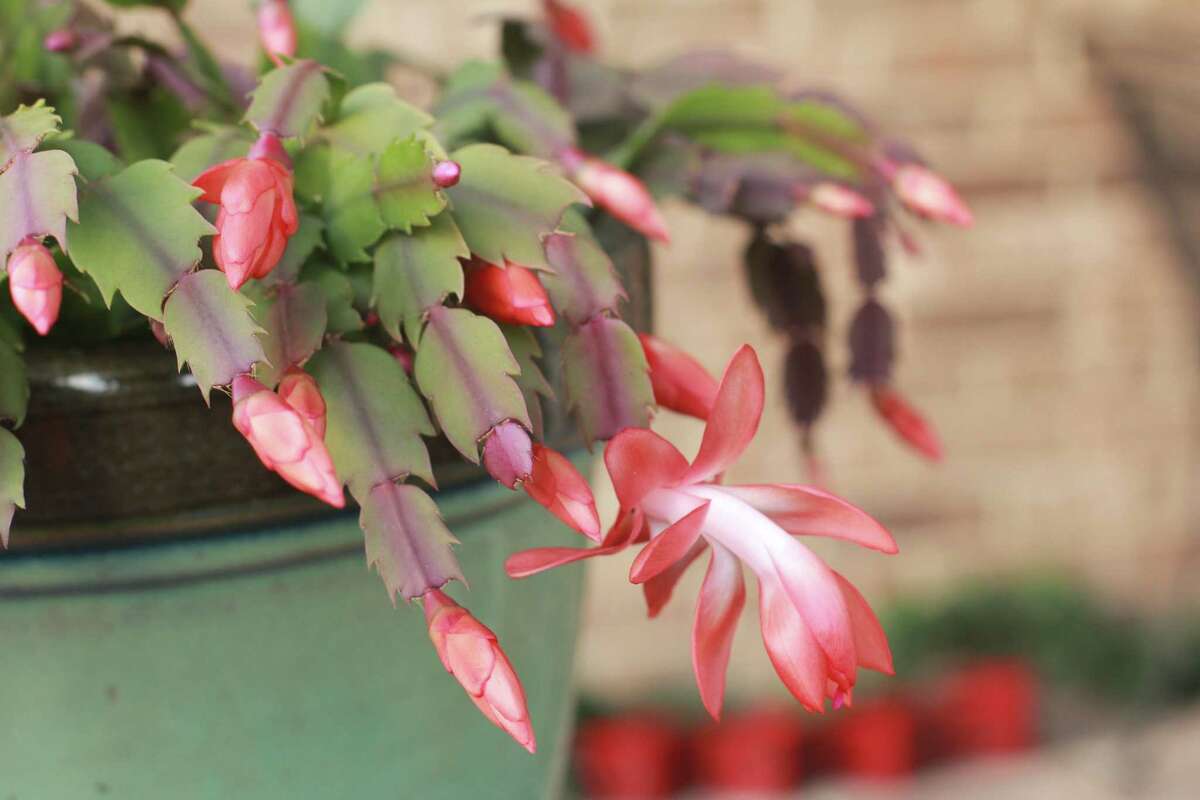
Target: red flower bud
284, 441
508, 294
257, 215
508, 453
570, 26
276, 29
929, 195
557, 485
471, 653
300, 391
35, 284
617, 192
62, 40
446, 173
906, 422
680, 382
833, 198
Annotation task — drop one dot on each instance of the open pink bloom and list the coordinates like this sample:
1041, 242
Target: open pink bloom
300, 391
617, 192
35, 284
277, 29
928, 194
833, 198
906, 422
470, 652
284, 441
557, 485
570, 26
816, 627
507, 294
680, 382
508, 453
257, 215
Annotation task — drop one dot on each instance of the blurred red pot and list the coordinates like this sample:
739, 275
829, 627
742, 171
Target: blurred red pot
754, 752
629, 756
989, 707
876, 739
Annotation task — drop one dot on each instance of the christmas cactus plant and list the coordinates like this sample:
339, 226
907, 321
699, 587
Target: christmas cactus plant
361, 275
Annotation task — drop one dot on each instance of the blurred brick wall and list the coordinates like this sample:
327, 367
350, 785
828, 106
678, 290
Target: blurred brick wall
1054, 344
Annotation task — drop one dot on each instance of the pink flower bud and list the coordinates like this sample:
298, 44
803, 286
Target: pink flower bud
62, 40
680, 383
471, 653
446, 173
557, 485
906, 422
617, 192
508, 453
833, 198
570, 26
257, 214
928, 194
508, 294
300, 391
276, 29
284, 441
403, 355
35, 284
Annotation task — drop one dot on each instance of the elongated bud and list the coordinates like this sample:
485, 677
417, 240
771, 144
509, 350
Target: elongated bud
906, 422
929, 195
35, 284
680, 382
277, 29
833, 198
557, 485
63, 40
447, 173
284, 441
300, 391
508, 294
617, 192
471, 653
570, 26
508, 453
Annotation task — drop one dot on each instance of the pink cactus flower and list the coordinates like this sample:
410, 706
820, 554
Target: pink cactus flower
557, 485
300, 391
277, 29
284, 441
507, 294
929, 195
617, 192
508, 454
447, 174
680, 382
258, 213
35, 284
838, 200
570, 26
470, 652
817, 629
906, 422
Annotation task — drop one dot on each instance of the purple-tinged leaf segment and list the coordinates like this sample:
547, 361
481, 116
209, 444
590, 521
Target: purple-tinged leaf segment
289, 99
12, 481
37, 197
465, 370
371, 117
211, 329
293, 319
14, 385
872, 344
583, 283
526, 350
870, 257
24, 129
405, 189
406, 540
374, 418
416, 272
608, 378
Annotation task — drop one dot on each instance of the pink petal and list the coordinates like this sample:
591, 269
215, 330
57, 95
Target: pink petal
658, 590
734, 418
680, 382
722, 597
539, 559
557, 485
808, 511
907, 422
668, 547
212, 180
640, 461
870, 642
791, 646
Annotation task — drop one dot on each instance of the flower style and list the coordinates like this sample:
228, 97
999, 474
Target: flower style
300, 391
817, 629
277, 30
284, 441
680, 383
906, 422
470, 652
35, 284
257, 214
507, 294
616, 191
